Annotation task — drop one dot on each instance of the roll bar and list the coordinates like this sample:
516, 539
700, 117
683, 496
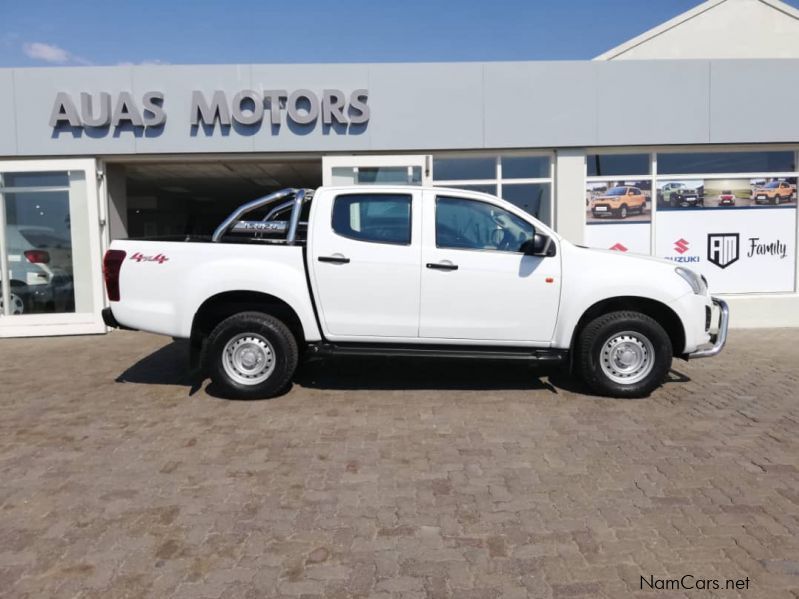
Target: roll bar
234, 222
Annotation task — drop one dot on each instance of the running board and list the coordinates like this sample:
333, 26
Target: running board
530, 354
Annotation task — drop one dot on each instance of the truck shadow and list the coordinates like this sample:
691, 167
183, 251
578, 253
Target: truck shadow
169, 366
376, 373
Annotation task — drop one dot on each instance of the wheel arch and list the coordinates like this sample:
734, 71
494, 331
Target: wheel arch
655, 309
222, 305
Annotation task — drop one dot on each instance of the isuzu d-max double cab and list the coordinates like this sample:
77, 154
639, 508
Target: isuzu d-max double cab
407, 271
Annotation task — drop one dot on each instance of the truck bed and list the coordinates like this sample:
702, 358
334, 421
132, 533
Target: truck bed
161, 280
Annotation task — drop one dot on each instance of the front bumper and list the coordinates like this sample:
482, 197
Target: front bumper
720, 338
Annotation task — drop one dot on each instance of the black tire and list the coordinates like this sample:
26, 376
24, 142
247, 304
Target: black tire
623, 211
593, 338
263, 328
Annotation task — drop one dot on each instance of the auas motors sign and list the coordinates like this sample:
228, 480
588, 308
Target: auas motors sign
247, 108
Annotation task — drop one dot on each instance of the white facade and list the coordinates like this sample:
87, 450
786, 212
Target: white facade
503, 128
719, 29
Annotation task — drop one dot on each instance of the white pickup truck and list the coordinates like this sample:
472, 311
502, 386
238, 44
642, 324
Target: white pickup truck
408, 271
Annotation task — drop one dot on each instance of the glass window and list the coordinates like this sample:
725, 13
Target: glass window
377, 175
487, 188
382, 218
455, 169
533, 198
38, 241
725, 162
473, 225
600, 165
45, 179
525, 167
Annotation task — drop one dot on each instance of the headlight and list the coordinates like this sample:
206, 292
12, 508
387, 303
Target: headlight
697, 282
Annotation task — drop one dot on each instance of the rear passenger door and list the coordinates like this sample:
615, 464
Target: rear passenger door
365, 257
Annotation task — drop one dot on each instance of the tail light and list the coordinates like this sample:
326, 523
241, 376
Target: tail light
112, 264
37, 256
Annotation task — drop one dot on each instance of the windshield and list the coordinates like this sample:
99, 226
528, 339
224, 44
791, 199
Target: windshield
772, 185
617, 191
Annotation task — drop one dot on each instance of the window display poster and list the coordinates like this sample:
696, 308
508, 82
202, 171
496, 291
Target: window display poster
685, 194
622, 237
617, 201
745, 250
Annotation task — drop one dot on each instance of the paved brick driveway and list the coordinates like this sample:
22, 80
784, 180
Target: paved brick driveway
392, 479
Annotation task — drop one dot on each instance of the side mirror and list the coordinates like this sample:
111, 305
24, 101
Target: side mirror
539, 245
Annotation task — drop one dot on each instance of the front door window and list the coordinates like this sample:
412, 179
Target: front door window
473, 225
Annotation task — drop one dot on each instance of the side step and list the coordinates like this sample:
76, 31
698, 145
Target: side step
530, 354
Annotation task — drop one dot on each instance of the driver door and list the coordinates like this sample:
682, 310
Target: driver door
477, 285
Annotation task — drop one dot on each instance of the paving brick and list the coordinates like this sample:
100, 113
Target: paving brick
391, 478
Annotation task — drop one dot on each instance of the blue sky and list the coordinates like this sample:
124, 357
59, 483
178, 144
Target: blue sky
110, 32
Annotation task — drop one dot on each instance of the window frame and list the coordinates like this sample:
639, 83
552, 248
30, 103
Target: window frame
462, 198
409, 196
500, 182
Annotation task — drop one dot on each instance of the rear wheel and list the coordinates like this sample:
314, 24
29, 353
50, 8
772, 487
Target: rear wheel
15, 303
251, 355
623, 354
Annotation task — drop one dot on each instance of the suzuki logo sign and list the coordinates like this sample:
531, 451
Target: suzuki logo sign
618, 247
681, 246
723, 248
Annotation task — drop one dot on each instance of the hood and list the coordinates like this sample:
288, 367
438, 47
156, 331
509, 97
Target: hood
617, 258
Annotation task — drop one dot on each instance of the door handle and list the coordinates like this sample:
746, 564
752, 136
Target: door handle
334, 259
440, 266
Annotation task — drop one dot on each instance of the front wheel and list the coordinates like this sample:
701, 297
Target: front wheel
623, 354
251, 355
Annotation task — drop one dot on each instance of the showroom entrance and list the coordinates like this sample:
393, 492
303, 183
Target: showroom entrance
172, 198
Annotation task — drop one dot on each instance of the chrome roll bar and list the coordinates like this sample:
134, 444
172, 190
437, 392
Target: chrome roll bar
299, 198
234, 219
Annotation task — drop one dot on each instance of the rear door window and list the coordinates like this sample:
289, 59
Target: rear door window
373, 217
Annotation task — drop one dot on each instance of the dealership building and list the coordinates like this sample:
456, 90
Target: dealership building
681, 143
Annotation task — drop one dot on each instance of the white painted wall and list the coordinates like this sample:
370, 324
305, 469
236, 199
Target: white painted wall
569, 218
729, 29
